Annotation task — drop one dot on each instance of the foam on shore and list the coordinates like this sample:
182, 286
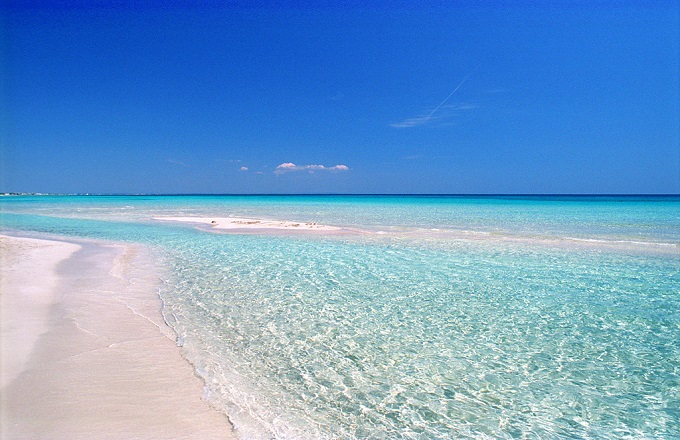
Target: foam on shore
95, 357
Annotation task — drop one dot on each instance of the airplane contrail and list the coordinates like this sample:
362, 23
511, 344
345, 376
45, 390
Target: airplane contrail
450, 94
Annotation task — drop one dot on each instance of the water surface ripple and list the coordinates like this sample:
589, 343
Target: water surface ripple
414, 334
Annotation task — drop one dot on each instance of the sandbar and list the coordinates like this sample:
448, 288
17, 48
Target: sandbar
85, 350
238, 223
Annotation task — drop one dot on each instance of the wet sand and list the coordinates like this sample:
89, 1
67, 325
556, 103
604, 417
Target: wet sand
85, 351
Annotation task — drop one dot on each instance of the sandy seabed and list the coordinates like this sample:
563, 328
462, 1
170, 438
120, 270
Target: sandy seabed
85, 352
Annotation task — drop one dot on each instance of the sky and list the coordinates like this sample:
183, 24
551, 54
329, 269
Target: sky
236, 97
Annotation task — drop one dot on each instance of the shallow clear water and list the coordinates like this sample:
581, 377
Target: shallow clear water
446, 317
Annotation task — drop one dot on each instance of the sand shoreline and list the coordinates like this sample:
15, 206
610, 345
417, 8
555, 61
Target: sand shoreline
85, 350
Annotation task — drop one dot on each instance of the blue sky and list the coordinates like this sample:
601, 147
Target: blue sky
258, 97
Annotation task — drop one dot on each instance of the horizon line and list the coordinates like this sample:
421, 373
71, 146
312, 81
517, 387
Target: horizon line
86, 194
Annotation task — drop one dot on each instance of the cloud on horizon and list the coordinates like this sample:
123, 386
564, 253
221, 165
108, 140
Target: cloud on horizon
291, 167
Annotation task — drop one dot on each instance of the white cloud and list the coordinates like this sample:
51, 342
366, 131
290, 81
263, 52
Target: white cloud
289, 166
444, 113
244, 168
412, 122
424, 119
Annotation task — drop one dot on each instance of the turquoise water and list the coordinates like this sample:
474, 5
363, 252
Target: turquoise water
432, 317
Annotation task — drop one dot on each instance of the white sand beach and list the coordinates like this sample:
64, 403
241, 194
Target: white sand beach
85, 351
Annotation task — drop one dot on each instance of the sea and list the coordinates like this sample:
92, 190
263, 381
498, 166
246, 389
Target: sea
422, 317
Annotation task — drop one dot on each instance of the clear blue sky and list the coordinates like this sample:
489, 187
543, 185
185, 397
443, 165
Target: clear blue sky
107, 97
